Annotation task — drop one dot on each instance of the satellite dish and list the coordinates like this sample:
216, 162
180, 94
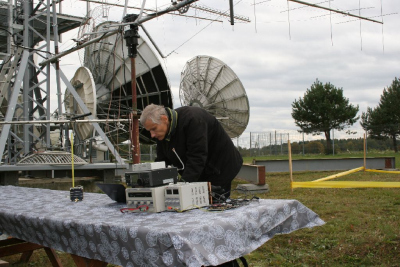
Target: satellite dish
93, 18
84, 85
110, 66
209, 83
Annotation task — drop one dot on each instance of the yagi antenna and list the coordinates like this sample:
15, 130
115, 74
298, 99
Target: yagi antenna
336, 11
218, 12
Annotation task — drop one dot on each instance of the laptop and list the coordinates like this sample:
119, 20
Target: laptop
115, 191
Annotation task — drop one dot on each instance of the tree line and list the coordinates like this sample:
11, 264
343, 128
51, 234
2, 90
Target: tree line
324, 108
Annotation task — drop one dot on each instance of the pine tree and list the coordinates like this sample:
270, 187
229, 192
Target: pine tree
383, 121
322, 109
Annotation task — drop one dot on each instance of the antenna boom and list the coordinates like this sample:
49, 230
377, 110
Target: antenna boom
336, 11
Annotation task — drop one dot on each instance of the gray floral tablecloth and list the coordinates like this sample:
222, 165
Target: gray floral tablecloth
95, 228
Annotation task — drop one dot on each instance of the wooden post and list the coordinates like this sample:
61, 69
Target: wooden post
12, 246
52, 255
290, 165
365, 153
84, 262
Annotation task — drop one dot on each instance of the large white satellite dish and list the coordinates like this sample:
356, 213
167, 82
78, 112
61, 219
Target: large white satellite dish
110, 66
209, 83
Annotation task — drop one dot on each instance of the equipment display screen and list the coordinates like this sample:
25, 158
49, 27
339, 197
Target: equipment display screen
134, 178
139, 194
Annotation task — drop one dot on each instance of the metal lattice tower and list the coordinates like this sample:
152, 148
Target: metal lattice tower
24, 83
22, 74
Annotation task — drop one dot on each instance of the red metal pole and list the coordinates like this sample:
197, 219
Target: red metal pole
131, 38
135, 121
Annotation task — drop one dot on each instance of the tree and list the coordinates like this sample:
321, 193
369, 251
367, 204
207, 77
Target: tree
383, 122
296, 148
322, 109
315, 147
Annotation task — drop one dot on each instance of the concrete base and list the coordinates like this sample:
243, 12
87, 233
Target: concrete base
106, 171
327, 164
252, 173
252, 188
108, 175
9, 178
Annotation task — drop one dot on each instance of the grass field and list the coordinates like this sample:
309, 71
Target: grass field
362, 225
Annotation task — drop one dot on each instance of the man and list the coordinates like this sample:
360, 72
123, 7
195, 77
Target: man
192, 140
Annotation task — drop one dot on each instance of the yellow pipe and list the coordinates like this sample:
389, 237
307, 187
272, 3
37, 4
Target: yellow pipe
338, 175
290, 163
346, 184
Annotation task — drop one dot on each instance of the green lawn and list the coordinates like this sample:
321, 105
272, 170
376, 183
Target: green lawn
362, 225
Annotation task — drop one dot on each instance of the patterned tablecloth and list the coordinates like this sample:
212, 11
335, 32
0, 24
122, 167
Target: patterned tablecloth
95, 228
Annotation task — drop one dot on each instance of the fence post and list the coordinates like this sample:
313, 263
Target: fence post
365, 153
290, 165
288, 139
270, 143
250, 141
333, 143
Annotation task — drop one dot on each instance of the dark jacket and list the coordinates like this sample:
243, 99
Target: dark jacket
206, 150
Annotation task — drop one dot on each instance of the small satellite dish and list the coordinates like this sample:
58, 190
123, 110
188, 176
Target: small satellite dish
84, 85
209, 83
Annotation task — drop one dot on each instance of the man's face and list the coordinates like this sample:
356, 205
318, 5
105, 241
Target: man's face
158, 131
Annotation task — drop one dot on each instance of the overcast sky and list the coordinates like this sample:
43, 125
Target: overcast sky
280, 53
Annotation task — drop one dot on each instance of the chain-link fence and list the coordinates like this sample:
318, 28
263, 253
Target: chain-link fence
276, 143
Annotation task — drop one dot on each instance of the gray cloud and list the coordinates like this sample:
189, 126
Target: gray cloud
277, 60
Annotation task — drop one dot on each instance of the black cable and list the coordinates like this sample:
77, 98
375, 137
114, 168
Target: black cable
81, 116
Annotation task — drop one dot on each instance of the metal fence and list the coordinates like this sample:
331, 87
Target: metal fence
276, 143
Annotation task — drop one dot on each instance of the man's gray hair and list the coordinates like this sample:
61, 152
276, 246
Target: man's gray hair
152, 112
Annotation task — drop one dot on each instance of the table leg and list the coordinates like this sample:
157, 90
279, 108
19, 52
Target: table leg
54, 259
84, 262
26, 256
13, 246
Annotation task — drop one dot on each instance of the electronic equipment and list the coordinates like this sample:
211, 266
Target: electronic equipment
151, 178
186, 196
148, 166
76, 193
146, 199
115, 191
